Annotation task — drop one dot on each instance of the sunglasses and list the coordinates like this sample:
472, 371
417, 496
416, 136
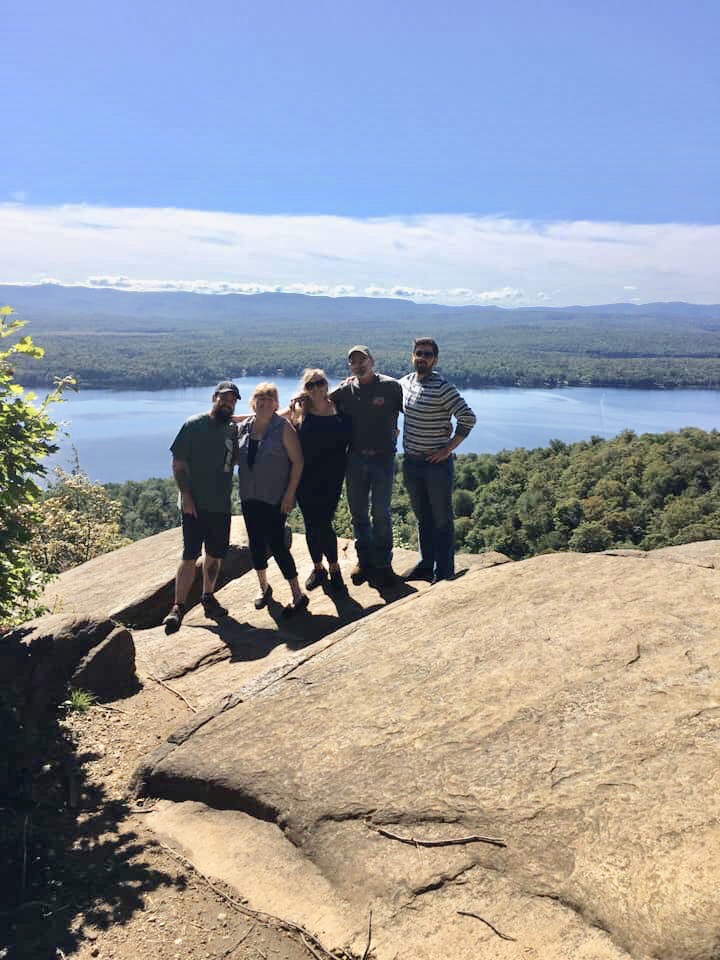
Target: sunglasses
426, 354
316, 383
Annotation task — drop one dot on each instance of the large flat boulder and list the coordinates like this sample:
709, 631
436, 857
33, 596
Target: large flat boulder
568, 706
205, 660
135, 584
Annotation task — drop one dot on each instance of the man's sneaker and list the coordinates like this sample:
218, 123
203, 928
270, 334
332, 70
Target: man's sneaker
337, 584
359, 574
174, 618
437, 579
418, 572
316, 578
384, 577
213, 609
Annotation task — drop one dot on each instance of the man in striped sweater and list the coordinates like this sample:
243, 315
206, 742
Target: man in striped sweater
430, 403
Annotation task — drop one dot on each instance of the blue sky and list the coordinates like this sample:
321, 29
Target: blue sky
527, 113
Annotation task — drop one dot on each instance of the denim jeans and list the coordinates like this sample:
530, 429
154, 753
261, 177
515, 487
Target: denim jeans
429, 486
369, 481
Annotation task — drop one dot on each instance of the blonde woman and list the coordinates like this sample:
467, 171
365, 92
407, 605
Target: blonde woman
324, 438
271, 464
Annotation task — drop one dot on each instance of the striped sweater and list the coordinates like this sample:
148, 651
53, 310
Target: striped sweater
428, 406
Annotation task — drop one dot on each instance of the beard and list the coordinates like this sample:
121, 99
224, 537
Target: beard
223, 415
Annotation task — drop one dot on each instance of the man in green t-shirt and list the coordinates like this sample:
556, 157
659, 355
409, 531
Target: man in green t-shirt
203, 457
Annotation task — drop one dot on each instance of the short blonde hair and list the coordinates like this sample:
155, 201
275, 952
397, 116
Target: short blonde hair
266, 388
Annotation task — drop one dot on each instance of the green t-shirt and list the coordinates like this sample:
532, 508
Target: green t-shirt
208, 447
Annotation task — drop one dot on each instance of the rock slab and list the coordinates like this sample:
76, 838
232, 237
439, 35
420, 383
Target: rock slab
135, 584
567, 705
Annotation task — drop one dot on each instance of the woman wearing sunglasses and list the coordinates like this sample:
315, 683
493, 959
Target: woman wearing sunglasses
324, 437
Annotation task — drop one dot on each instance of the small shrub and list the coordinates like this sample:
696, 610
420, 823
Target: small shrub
79, 701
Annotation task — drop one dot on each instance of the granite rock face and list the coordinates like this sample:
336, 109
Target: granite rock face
45, 655
135, 584
567, 706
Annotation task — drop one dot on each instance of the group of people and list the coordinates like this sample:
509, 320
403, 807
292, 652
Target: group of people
304, 453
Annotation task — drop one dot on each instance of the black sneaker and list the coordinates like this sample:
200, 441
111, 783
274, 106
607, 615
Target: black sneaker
418, 572
262, 601
359, 574
295, 607
316, 578
174, 618
384, 577
213, 609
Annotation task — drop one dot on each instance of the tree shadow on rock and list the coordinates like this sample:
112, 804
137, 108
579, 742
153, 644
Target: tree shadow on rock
68, 858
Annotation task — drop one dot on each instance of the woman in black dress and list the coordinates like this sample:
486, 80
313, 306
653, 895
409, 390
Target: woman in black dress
324, 437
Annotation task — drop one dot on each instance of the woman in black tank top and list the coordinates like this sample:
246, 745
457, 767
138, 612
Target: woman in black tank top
324, 437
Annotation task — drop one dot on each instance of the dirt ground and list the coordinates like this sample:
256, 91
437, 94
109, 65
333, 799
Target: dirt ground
100, 885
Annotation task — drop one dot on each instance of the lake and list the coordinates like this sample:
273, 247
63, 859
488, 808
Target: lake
125, 434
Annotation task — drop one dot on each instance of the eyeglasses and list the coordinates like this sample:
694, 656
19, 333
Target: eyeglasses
311, 384
426, 354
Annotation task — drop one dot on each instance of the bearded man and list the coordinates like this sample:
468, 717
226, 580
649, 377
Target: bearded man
204, 453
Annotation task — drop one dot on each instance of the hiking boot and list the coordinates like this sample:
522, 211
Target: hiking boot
337, 584
174, 618
213, 609
316, 578
384, 577
418, 572
359, 574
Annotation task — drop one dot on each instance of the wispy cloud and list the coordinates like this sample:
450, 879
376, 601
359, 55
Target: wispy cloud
440, 257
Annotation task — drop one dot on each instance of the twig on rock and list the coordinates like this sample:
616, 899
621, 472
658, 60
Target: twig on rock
310, 948
109, 709
319, 951
476, 916
23, 874
148, 809
242, 939
455, 841
369, 938
176, 692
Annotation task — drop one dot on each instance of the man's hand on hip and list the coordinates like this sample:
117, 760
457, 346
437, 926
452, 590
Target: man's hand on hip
437, 456
188, 505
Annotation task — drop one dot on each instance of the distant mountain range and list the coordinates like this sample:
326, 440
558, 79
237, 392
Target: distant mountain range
116, 338
51, 305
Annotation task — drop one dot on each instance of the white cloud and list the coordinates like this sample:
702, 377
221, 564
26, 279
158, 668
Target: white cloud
446, 258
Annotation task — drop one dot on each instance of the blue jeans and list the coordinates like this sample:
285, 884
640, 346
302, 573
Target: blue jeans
369, 481
429, 486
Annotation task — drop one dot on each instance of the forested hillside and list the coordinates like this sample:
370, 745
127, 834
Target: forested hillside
636, 491
110, 338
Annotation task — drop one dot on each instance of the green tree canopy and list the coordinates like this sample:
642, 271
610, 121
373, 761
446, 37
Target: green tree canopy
26, 438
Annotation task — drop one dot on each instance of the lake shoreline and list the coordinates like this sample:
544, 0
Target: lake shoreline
126, 435
106, 387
